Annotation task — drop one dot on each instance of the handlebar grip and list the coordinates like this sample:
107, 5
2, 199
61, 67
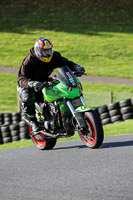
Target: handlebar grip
45, 84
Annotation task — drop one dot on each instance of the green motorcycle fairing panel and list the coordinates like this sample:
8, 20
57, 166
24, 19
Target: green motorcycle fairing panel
60, 90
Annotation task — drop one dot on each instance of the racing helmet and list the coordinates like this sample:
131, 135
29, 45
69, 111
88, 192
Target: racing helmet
43, 49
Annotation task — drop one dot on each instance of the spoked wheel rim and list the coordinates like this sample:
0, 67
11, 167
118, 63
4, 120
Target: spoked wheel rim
38, 142
90, 138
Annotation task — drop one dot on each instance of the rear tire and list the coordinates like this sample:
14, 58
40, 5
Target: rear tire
94, 137
43, 144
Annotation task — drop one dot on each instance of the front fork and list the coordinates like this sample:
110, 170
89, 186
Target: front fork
78, 116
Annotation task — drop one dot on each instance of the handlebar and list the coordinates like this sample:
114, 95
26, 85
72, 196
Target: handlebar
54, 81
78, 74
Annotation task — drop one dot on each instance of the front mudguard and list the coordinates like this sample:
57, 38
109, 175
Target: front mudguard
80, 117
83, 109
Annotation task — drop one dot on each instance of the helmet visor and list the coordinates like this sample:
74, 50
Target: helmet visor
47, 52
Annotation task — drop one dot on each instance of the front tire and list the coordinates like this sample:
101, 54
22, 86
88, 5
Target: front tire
95, 135
43, 144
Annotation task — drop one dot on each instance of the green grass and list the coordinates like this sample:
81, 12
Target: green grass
8, 92
119, 128
125, 127
95, 34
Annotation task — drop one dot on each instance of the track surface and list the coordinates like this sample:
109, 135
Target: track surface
70, 171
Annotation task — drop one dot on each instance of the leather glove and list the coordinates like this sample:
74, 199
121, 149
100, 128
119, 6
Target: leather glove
36, 85
79, 69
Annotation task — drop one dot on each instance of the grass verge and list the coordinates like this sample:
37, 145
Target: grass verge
95, 34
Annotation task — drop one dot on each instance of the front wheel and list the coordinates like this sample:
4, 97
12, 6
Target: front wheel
43, 144
94, 136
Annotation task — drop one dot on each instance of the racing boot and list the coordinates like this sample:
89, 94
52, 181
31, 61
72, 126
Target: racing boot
32, 122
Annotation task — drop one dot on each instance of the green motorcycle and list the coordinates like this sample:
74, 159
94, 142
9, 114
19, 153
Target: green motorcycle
64, 111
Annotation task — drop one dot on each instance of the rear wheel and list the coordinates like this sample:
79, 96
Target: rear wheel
93, 138
43, 144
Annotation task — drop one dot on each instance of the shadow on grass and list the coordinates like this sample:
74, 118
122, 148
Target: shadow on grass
73, 16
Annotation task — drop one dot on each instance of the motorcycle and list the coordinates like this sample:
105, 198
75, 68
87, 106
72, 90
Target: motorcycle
64, 111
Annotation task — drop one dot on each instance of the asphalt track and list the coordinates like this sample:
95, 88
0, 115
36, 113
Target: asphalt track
70, 171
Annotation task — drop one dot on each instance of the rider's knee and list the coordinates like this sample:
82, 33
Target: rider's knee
28, 108
27, 98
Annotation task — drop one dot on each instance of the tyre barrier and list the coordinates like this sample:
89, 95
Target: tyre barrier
13, 128
115, 112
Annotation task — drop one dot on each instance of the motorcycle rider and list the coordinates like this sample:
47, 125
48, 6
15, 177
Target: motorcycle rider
34, 71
